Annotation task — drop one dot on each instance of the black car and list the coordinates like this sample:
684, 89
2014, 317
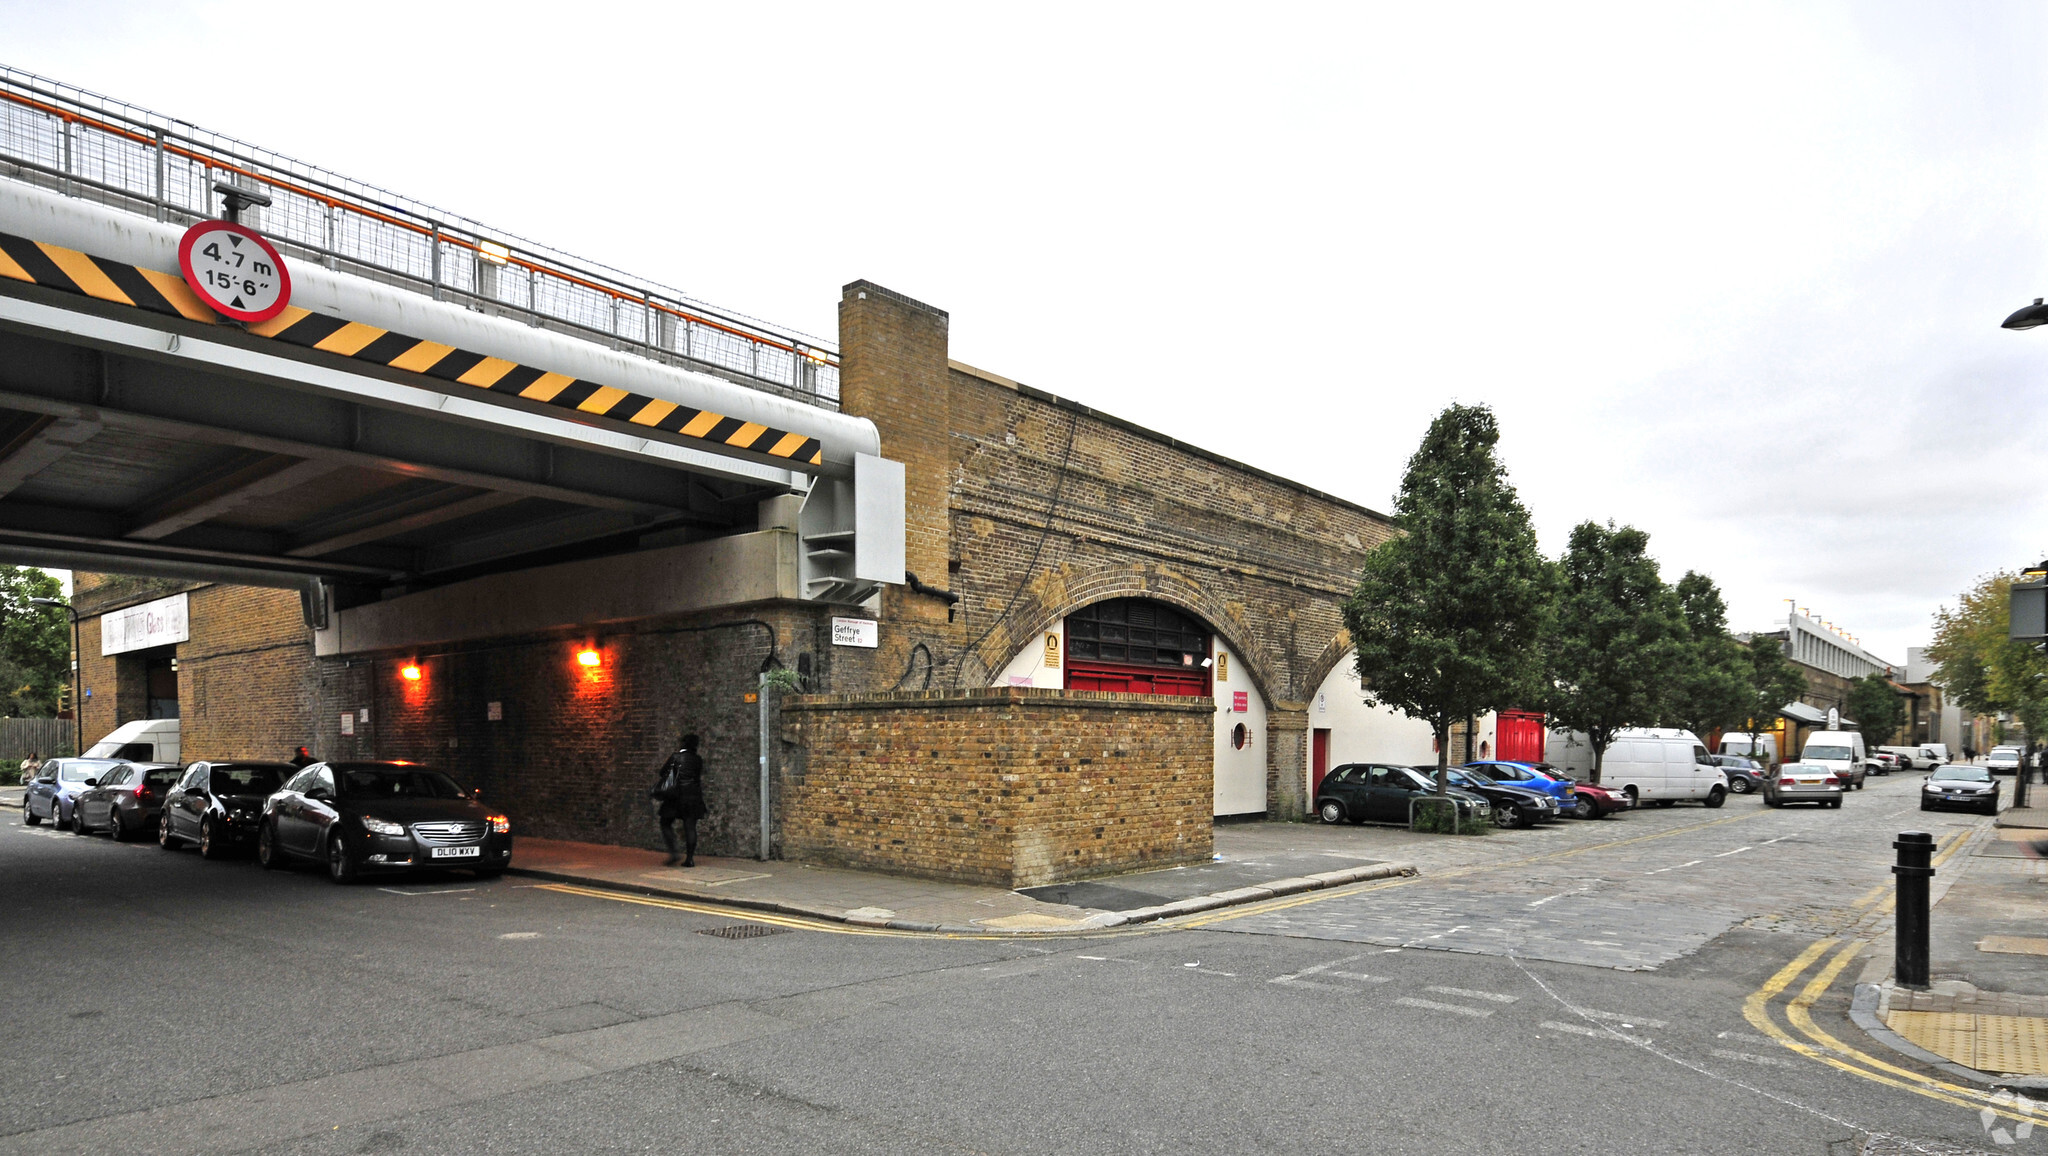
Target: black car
1744, 774
124, 800
218, 805
362, 817
1357, 792
1512, 806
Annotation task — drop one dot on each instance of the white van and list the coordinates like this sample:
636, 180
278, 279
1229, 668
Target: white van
150, 740
1762, 746
1940, 751
1840, 752
1662, 766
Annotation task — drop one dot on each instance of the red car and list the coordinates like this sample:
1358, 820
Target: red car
1595, 802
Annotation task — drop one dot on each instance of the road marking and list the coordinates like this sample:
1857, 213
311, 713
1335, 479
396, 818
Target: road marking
1361, 976
1737, 851
520, 935
1626, 1021
1745, 1057
1212, 971
1560, 895
1600, 943
1575, 1029
446, 891
1674, 867
1296, 979
1432, 1005
1745, 1038
1468, 993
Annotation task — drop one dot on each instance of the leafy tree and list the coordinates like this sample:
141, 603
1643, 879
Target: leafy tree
1448, 613
35, 644
1875, 706
1712, 689
1982, 670
1773, 682
1617, 636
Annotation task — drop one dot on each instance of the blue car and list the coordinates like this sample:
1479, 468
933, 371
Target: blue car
53, 793
1524, 776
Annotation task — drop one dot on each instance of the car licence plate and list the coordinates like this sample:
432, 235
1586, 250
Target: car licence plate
456, 852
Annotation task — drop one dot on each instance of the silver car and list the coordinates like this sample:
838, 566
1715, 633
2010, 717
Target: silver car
1960, 786
1803, 783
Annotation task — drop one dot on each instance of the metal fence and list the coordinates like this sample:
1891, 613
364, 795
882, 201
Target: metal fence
85, 145
22, 737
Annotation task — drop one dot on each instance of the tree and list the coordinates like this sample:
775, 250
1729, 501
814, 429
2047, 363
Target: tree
1447, 614
1874, 703
1616, 638
35, 644
1711, 690
1982, 670
1773, 682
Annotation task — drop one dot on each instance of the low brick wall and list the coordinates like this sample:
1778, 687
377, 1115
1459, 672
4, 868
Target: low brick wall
1013, 787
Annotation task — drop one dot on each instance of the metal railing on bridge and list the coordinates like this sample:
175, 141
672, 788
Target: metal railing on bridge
85, 145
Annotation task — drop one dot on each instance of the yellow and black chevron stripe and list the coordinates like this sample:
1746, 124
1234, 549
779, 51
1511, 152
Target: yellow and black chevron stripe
73, 272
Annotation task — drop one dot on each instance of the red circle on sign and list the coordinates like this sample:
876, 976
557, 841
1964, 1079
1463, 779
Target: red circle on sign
222, 299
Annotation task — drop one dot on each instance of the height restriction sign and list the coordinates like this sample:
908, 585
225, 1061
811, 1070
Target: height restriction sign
235, 271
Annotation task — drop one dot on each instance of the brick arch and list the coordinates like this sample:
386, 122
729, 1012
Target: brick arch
1053, 600
1326, 662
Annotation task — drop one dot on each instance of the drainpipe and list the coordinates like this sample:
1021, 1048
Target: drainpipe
761, 696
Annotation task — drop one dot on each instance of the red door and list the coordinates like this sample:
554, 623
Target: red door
1318, 761
1519, 736
1190, 682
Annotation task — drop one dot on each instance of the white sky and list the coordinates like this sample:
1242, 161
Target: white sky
1732, 273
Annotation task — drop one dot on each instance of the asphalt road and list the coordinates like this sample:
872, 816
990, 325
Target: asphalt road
1585, 998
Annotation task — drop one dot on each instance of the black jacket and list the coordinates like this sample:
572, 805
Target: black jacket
681, 780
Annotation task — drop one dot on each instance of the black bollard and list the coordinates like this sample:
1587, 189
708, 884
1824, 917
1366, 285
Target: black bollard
1916, 851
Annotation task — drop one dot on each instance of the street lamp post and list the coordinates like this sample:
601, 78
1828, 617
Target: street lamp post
77, 663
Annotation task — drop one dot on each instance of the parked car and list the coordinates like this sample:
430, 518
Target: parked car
1527, 777
54, 793
1960, 786
1744, 773
1804, 783
124, 801
1513, 806
1381, 792
2003, 761
1595, 801
1921, 757
1940, 751
1841, 752
1662, 767
362, 817
1883, 762
217, 805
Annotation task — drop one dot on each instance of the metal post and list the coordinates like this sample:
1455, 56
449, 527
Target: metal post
2019, 778
762, 696
437, 261
162, 178
77, 682
1916, 853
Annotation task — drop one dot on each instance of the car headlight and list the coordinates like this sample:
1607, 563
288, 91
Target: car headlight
382, 826
500, 825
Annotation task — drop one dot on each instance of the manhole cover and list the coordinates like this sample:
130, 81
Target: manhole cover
743, 931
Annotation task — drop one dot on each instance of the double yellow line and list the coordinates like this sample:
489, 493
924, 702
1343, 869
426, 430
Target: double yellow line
1815, 1043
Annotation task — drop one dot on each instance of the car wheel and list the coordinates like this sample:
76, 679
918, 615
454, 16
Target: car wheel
1716, 797
1504, 816
1740, 786
1926, 806
209, 843
1330, 811
341, 865
164, 838
1774, 802
116, 830
29, 816
78, 826
267, 853
1634, 800
1667, 802
57, 815
1586, 808
1991, 808
1835, 804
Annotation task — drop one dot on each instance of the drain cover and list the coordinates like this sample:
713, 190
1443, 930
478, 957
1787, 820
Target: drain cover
743, 931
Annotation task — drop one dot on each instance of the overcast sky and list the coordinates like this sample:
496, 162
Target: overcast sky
1732, 273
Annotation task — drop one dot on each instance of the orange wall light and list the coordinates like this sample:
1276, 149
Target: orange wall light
589, 658
410, 672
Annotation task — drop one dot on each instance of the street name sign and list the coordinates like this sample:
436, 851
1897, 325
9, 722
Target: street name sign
235, 271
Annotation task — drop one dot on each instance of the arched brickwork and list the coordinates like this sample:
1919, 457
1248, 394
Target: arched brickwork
1326, 662
1061, 595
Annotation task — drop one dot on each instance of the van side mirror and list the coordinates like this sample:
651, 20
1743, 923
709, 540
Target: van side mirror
92, 782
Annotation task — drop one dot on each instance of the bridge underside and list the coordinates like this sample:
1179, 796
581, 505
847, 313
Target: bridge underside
215, 455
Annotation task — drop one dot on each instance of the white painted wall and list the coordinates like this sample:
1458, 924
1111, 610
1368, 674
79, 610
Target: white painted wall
1029, 668
1364, 732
